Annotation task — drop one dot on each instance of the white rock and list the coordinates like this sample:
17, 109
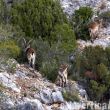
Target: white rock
45, 96
57, 96
8, 81
49, 96
30, 104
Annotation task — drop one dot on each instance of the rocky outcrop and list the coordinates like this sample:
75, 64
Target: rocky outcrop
26, 89
69, 6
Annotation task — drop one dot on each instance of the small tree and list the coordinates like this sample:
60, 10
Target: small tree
38, 17
97, 90
80, 20
64, 36
101, 70
9, 48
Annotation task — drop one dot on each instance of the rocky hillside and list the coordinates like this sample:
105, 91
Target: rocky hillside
69, 7
22, 88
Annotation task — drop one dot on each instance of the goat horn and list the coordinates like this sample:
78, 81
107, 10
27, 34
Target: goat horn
29, 41
24, 40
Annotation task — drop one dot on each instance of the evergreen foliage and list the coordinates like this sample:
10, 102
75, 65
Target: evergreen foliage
95, 60
9, 48
64, 36
38, 17
4, 12
69, 96
80, 21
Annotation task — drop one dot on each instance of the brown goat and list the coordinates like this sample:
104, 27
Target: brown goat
62, 75
30, 53
94, 28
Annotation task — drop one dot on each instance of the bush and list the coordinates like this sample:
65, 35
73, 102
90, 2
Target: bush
95, 60
97, 90
92, 56
9, 37
80, 20
64, 37
49, 69
70, 96
9, 48
6, 32
37, 17
4, 12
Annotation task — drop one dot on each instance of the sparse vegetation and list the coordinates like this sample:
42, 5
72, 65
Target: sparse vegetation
1, 88
9, 48
70, 96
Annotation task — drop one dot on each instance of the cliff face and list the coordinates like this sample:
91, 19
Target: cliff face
22, 88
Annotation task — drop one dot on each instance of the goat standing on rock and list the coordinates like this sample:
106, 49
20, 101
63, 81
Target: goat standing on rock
30, 53
62, 75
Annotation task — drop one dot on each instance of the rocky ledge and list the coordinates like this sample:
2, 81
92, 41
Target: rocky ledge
23, 88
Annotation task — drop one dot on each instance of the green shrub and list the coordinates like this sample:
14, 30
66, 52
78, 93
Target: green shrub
95, 60
5, 32
49, 69
9, 48
91, 57
97, 90
38, 17
64, 37
70, 96
80, 20
4, 12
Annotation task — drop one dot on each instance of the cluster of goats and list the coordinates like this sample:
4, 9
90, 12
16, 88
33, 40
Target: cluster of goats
93, 27
31, 56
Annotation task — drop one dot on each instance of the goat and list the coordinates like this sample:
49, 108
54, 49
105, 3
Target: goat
94, 28
30, 53
62, 75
